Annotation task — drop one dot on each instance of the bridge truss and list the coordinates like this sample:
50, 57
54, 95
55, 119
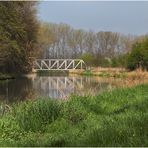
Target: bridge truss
59, 64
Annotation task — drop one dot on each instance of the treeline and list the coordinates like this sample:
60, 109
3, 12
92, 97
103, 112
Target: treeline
18, 35
97, 49
61, 40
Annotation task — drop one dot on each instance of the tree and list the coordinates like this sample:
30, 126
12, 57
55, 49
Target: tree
91, 42
139, 55
46, 39
62, 41
108, 43
76, 42
18, 35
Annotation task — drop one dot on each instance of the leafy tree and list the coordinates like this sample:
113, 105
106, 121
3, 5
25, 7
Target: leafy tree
18, 35
139, 55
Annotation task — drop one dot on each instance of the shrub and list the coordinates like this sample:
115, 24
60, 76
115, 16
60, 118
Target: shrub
119, 61
88, 58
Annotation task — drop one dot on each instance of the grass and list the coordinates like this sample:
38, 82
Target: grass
115, 73
87, 73
115, 118
119, 74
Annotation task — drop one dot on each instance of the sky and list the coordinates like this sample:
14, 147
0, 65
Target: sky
127, 17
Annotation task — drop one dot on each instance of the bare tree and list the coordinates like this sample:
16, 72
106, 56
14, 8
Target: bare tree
108, 43
62, 41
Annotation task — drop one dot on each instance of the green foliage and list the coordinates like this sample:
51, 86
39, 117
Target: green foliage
116, 118
73, 111
88, 58
87, 73
102, 61
119, 61
106, 62
138, 58
18, 29
37, 114
116, 61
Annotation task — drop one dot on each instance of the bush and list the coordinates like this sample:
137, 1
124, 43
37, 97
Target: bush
87, 58
119, 61
106, 62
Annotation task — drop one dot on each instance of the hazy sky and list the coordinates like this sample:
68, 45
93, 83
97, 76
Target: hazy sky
124, 17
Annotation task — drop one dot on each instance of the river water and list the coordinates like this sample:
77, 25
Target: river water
48, 86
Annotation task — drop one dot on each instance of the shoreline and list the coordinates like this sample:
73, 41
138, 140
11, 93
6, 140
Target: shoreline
94, 71
4, 77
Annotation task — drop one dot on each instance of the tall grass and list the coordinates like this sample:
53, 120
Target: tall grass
35, 115
115, 118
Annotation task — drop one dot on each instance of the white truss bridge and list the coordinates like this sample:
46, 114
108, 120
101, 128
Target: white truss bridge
59, 64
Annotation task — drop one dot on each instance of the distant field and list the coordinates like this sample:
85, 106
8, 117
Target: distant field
116, 118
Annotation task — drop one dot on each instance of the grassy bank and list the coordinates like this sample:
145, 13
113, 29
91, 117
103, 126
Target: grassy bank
116, 73
117, 118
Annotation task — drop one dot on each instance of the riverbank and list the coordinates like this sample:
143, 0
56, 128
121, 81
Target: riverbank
116, 118
6, 76
112, 72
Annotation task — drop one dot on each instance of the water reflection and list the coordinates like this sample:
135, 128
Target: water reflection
17, 89
58, 87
